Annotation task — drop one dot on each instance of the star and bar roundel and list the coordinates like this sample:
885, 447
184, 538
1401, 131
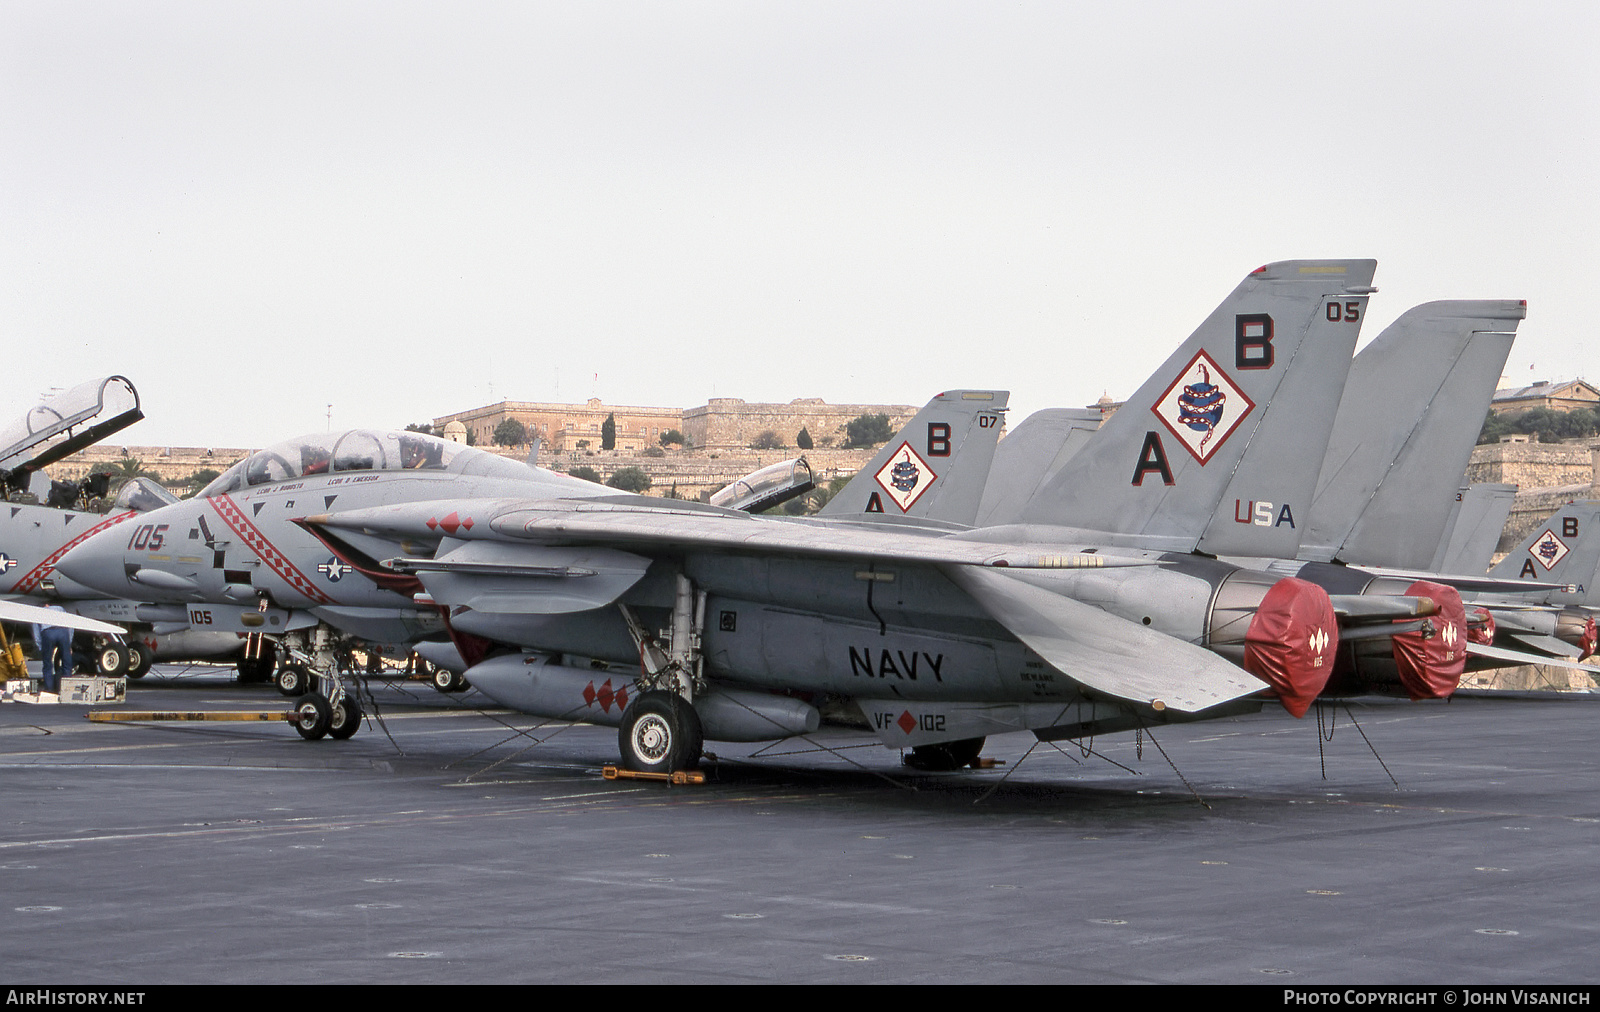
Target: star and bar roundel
1202, 407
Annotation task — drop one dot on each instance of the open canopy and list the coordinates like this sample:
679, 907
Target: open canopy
86, 414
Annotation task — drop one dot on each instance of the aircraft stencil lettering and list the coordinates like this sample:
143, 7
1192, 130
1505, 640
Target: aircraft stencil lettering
907, 722
906, 668
1249, 511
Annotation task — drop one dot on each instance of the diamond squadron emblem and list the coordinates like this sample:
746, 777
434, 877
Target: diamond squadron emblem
905, 476
1202, 407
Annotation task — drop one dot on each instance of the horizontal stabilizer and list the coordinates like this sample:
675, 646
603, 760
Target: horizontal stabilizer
1105, 653
1511, 658
13, 611
1547, 645
1479, 583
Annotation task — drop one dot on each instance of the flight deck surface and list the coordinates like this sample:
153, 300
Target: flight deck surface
448, 850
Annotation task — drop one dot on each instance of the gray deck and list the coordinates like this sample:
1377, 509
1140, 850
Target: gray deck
227, 852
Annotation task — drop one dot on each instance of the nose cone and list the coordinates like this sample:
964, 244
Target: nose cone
105, 563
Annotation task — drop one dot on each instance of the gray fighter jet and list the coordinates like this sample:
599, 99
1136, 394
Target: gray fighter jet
1101, 608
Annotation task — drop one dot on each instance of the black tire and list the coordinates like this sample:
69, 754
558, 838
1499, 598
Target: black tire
313, 716
446, 680
346, 718
946, 755
256, 669
660, 733
143, 657
112, 659
294, 680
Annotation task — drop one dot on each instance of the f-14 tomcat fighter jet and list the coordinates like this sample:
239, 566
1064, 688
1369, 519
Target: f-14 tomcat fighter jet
235, 559
1101, 608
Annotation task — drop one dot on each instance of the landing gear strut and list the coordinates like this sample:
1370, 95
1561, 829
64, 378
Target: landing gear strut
323, 705
660, 731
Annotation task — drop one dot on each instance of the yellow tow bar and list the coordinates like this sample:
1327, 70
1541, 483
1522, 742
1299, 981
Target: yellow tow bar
675, 777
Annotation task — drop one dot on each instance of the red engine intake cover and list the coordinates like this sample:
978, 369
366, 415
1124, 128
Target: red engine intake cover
1292, 641
1431, 668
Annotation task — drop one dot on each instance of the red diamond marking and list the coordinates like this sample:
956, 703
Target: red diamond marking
432, 523
622, 698
907, 722
450, 523
588, 693
467, 523
605, 696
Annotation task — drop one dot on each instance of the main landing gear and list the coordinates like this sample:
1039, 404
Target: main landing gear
660, 733
946, 755
660, 730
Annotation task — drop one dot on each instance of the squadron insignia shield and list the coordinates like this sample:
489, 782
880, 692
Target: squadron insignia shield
1202, 407
1548, 550
905, 476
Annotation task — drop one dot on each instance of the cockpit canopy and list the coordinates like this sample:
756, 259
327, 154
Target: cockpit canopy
143, 495
109, 403
361, 450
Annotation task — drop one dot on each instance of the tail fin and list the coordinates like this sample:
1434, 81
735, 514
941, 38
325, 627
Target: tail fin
935, 467
1412, 407
1473, 533
1029, 456
1263, 373
1563, 549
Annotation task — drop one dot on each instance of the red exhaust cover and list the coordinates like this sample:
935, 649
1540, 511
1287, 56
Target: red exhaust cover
1431, 668
1481, 628
1292, 641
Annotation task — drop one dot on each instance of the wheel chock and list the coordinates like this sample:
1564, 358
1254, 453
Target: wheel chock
675, 777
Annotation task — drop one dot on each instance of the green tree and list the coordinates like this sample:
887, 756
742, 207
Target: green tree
608, 432
767, 440
803, 439
630, 479
652, 451
510, 433
672, 436
422, 427
867, 430
587, 473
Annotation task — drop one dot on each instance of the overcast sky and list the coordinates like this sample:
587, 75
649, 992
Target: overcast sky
255, 210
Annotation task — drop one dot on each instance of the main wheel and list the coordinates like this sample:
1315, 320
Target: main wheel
143, 657
660, 733
346, 717
446, 680
255, 669
313, 716
294, 680
112, 659
946, 755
